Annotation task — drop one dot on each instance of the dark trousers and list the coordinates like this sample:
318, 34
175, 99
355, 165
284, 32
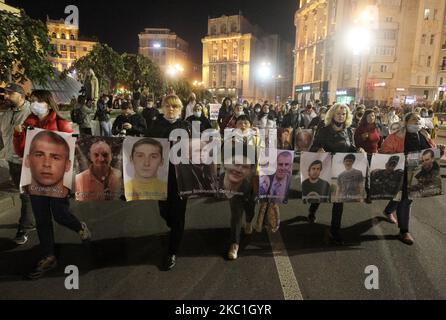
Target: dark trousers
402, 207
238, 204
45, 209
85, 131
336, 215
26, 213
173, 212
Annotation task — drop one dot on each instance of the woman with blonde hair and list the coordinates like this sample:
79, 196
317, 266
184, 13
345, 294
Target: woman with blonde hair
173, 210
335, 137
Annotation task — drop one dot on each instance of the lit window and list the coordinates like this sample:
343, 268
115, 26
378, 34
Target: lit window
426, 14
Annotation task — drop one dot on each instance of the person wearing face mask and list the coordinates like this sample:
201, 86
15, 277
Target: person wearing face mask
103, 116
392, 117
45, 115
335, 137
411, 138
198, 115
173, 211
293, 118
230, 121
150, 113
15, 116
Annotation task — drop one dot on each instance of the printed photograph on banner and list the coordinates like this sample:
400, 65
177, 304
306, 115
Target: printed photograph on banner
386, 176
214, 110
236, 172
315, 172
349, 172
303, 139
98, 167
47, 168
285, 139
424, 180
197, 179
146, 168
274, 184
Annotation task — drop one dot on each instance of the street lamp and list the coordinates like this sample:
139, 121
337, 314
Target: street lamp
174, 70
264, 71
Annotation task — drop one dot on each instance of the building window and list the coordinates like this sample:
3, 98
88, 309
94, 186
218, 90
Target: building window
426, 14
441, 81
429, 60
73, 56
64, 66
423, 39
63, 47
426, 80
435, 14
234, 27
213, 30
73, 48
443, 64
383, 68
63, 55
432, 39
54, 35
234, 83
389, 19
63, 36
223, 28
72, 36
214, 84
85, 49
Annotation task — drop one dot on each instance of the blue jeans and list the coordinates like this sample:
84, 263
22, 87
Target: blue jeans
106, 128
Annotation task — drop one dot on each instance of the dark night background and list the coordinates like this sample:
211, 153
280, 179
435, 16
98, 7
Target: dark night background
118, 23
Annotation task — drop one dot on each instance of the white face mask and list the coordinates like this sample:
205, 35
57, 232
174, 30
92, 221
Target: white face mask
40, 109
197, 114
414, 128
171, 120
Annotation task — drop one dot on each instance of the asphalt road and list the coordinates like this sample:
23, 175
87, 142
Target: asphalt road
129, 242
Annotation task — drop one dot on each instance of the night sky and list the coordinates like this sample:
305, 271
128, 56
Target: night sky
118, 23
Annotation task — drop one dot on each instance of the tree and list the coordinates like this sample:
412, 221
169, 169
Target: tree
139, 67
25, 47
202, 94
106, 64
182, 88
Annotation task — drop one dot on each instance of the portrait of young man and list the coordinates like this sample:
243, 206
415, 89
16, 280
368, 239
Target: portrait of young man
314, 188
48, 161
350, 182
146, 159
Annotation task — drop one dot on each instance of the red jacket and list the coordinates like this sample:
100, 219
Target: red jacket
370, 145
394, 143
52, 122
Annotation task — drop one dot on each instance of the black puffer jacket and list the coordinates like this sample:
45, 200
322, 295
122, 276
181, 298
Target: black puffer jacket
335, 142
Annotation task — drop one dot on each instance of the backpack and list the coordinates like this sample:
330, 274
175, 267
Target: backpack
77, 116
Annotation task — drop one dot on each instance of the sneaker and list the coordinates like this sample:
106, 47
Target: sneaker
406, 238
311, 218
248, 228
43, 266
391, 218
232, 253
85, 233
170, 262
21, 237
336, 238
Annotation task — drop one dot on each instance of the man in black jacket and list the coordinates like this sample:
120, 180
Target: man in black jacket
129, 123
150, 113
293, 118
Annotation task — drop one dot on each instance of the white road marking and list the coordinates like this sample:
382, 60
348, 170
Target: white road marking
290, 286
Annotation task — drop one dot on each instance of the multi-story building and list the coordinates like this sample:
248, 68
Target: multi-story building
8, 8
402, 63
68, 43
166, 49
240, 61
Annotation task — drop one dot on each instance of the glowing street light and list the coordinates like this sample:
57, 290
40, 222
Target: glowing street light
174, 70
265, 71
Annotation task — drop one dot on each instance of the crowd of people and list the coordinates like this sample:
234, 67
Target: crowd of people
337, 128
